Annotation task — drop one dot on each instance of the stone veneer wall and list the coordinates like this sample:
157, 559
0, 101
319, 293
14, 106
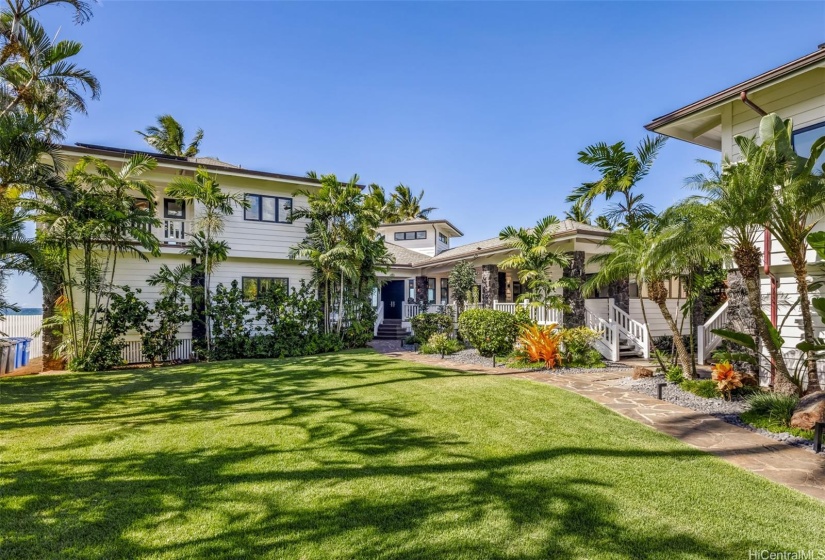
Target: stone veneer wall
740, 318
573, 298
489, 284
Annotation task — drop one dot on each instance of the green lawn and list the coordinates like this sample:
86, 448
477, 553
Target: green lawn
357, 455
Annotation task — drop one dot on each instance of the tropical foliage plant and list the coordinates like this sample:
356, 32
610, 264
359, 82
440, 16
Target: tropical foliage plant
541, 344
168, 137
491, 332
462, 284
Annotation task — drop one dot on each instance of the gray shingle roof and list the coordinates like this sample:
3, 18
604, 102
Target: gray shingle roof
404, 256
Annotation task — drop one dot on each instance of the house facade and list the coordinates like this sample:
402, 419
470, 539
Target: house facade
796, 91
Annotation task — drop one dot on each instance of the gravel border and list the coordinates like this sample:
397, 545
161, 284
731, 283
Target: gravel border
727, 411
472, 357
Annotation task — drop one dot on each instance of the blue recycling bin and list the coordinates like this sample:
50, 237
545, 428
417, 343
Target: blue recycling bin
25, 350
18, 351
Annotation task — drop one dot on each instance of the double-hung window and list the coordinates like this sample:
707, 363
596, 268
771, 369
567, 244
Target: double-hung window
274, 209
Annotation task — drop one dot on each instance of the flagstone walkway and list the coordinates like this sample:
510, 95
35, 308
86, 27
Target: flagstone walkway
791, 466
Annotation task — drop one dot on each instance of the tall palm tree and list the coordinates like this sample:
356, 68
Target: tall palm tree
168, 137
204, 192
797, 208
41, 69
533, 260
739, 197
408, 206
377, 202
620, 170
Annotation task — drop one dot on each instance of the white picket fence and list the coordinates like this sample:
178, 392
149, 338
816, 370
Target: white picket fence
24, 325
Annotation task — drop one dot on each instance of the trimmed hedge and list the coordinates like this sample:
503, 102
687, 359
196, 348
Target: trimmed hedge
492, 333
427, 324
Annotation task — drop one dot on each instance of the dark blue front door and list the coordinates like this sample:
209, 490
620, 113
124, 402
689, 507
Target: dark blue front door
392, 294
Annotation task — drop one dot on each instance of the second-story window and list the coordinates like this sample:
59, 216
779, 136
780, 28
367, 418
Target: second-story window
274, 209
408, 235
174, 209
442, 238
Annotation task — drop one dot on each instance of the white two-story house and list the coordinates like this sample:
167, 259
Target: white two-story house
796, 91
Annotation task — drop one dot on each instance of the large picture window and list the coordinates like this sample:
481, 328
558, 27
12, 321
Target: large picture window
254, 286
804, 138
274, 209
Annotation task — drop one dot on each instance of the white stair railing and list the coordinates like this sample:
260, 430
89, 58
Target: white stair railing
608, 342
633, 330
410, 310
541, 315
379, 318
706, 341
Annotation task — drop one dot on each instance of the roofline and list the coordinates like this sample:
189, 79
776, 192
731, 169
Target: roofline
502, 248
414, 222
734, 91
184, 163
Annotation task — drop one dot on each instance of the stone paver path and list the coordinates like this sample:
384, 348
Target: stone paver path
791, 466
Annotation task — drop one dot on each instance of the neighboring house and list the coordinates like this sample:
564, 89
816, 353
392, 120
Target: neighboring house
795, 90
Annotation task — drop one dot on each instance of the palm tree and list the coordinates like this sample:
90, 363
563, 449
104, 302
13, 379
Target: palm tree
620, 170
634, 253
168, 138
579, 213
408, 206
42, 69
797, 208
739, 198
533, 260
603, 222
377, 202
11, 21
203, 190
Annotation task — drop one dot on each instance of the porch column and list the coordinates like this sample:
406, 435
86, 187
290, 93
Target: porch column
740, 318
574, 314
619, 291
422, 284
489, 284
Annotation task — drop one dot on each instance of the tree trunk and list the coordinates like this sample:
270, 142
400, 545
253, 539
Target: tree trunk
657, 293
647, 326
747, 258
51, 338
800, 267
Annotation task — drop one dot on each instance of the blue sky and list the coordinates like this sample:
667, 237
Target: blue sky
482, 105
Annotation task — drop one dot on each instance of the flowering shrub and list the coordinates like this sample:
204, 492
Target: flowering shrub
727, 379
541, 344
441, 343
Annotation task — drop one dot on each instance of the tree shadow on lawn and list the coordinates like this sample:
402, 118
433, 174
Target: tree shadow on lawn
312, 466
115, 507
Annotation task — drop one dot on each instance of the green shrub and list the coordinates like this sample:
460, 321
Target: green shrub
492, 333
675, 375
577, 347
441, 343
425, 325
774, 407
705, 388
523, 316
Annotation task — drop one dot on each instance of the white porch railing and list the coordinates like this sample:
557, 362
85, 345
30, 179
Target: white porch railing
410, 310
379, 318
541, 315
634, 331
133, 352
706, 341
608, 341
175, 231
24, 326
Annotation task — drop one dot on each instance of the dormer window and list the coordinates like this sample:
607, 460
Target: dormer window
443, 238
410, 235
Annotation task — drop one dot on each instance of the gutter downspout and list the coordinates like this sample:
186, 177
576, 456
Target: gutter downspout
744, 97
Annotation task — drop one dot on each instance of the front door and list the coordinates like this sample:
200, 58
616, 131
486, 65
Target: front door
392, 294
